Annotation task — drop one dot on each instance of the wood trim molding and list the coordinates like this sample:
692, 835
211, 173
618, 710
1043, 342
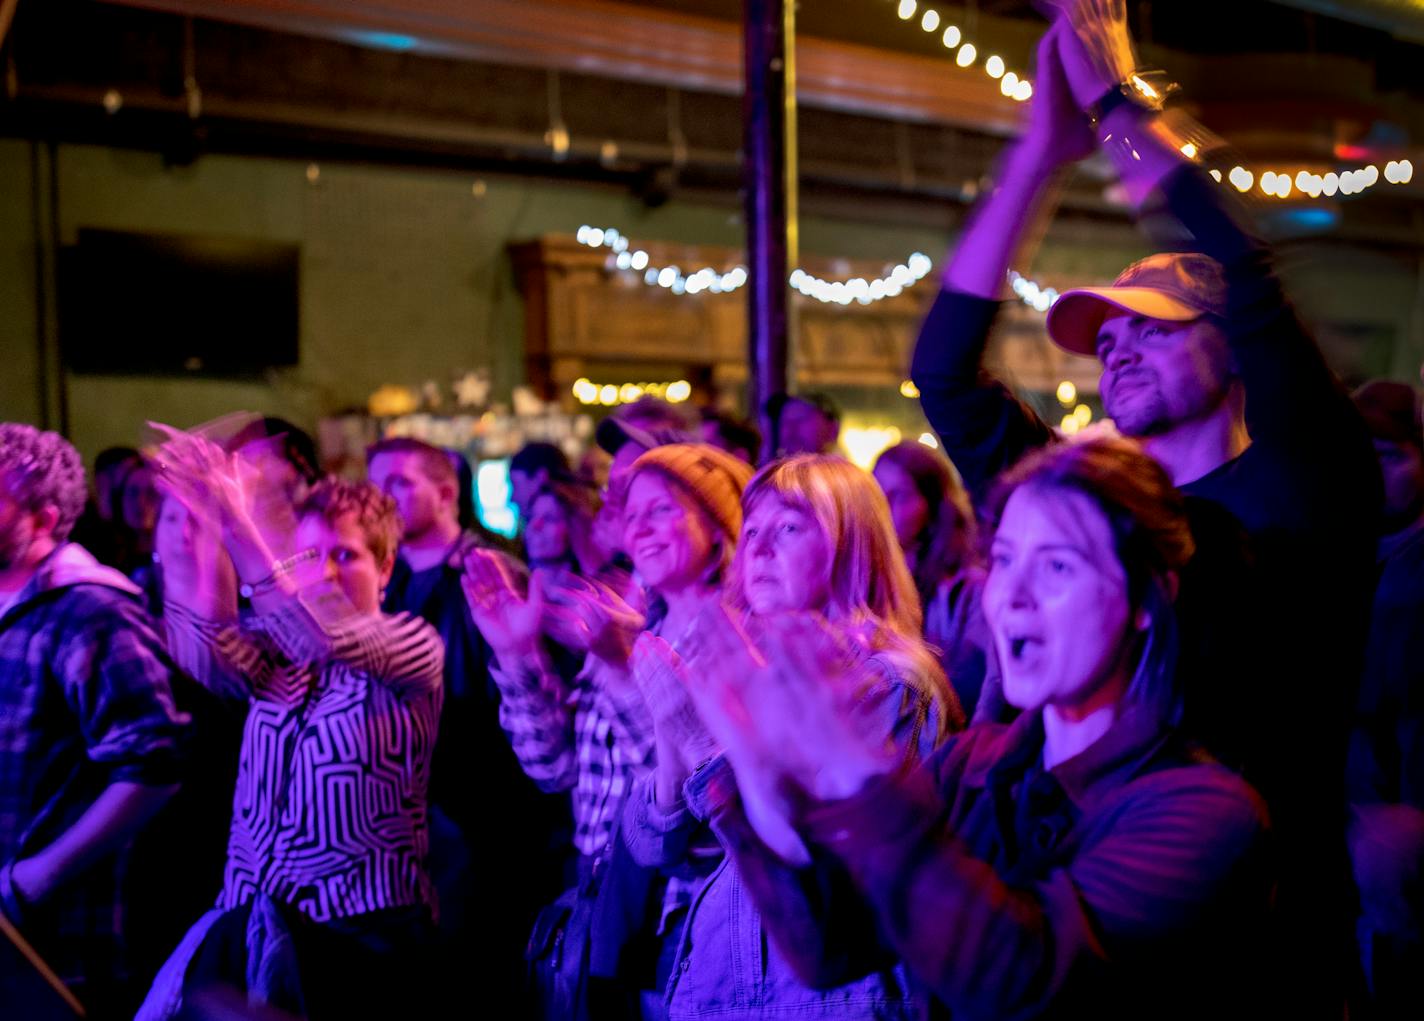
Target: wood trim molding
616, 40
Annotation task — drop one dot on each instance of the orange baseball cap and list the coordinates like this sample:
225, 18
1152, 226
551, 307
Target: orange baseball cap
1175, 287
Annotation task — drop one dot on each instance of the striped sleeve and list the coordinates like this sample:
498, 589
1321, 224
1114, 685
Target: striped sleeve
215, 653
400, 650
539, 720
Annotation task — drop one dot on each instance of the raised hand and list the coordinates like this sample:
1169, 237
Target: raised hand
1058, 132
508, 620
594, 617
662, 679
816, 682
1097, 53
200, 474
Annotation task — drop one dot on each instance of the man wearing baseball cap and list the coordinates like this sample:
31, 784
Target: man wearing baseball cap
1205, 362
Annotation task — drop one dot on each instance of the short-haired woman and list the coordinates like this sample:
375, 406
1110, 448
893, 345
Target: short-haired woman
326, 903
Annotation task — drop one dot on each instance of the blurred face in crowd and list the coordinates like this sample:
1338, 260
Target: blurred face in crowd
267, 456
26, 536
523, 486
1056, 603
425, 505
108, 483
785, 558
668, 536
344, 560
1158, 374
1402, 465
804, 430
173, 535
909, 510
140, 500
546, 532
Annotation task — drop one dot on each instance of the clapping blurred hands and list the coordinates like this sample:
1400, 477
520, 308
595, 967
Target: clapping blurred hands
779, 700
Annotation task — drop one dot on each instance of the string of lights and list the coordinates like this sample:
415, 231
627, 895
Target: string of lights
612, 394
1282, 184
837, 292
1273, 184
1012, 84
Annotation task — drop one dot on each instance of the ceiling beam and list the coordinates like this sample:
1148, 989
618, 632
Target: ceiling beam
633, 43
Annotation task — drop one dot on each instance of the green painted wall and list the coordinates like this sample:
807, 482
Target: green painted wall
405, 275
20, 391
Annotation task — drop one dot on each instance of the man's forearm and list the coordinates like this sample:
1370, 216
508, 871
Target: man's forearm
1142, 148
109, 823
998, 225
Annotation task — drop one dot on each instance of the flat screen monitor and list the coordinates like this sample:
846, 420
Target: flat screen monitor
168, 304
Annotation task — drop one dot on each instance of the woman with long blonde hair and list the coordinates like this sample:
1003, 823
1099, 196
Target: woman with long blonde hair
817, 573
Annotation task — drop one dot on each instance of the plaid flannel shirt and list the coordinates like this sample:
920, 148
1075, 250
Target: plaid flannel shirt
594, 740
588, 739
85, 701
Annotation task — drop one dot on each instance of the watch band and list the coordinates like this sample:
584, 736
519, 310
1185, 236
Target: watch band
1147, 90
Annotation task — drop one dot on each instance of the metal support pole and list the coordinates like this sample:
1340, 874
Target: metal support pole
769, 174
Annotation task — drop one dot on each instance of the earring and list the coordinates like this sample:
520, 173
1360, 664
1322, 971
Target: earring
155, 557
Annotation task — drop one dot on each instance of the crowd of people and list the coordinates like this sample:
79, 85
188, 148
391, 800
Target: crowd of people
1113, 725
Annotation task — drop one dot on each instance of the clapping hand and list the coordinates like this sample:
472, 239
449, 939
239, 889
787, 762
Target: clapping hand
1058, 132
592, 616
664, 684
508, 619
1097, 53
207, 479
781, 707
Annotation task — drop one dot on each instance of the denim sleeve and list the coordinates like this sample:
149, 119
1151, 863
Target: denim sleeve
821, 925
655, 837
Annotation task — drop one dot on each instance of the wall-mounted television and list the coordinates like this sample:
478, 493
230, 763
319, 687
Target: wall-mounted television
177, 304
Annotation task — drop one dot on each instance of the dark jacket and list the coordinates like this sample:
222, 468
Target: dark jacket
1128, 881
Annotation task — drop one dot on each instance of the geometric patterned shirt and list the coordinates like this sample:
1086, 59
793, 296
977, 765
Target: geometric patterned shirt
329, 813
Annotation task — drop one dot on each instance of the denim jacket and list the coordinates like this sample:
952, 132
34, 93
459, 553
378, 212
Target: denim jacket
727, 964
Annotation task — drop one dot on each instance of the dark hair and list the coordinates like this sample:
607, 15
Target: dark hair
580, 504
776, 404
649, 412
465, 499
533, 458
42, 469
950, 537
1152, 540
298, 450
737, 434
434, 461
111, 457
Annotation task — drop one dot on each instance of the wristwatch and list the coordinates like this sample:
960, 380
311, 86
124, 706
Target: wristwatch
279, 569
1147, 90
